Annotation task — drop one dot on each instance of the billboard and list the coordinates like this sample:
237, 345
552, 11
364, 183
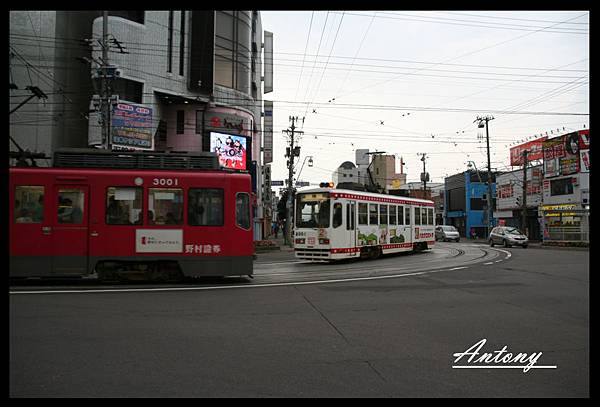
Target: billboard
268, 132
132, 126
231, 149
534, 147
562, 154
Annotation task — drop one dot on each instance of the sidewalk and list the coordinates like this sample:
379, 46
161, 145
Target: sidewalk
534, 244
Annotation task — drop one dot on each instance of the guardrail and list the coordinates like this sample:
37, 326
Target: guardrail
567, 234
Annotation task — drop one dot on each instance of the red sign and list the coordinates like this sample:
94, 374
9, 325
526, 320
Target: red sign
535, 151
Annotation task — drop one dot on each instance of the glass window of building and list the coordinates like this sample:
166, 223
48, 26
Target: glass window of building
233, 49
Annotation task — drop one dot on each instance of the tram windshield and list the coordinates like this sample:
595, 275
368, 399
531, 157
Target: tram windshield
312, 211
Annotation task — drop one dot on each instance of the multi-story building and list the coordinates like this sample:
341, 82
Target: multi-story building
345, 173
192, 78
383, 170
465, 202
565, 209
509, 200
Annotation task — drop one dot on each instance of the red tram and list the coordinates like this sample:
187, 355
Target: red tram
130, 216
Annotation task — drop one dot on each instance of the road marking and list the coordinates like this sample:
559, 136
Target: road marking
347, 280
487, 264
497, 261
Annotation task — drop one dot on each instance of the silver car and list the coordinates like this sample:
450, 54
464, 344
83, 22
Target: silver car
446, 233
507, 236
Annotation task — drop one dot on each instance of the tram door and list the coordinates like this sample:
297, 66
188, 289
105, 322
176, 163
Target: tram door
69, 230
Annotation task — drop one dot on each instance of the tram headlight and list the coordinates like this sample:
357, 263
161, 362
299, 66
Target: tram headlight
323, 241
300, 241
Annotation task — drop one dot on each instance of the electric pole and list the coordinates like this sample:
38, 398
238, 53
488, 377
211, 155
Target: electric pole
424, 176
105, 97
480, 125
524, 201
292, 151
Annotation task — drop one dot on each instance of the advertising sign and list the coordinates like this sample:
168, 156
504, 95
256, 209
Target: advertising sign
132, 126
535, 151
562, 154
585, 160
231, 150
158, 241
268, 132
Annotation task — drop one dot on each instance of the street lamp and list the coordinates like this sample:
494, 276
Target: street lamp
310, 164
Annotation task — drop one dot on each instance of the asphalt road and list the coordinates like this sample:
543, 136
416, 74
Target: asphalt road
388, 337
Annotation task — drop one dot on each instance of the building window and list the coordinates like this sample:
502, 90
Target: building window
477, 204
170, 44
131, 15
233, 50
182, 43
561, 187
180, 121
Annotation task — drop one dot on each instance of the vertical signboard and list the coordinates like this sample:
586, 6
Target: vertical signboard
268, 62
132, 127
268, 132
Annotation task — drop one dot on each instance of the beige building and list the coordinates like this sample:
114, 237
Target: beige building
384, 173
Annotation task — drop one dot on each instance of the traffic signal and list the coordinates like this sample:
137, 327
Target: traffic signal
326, 185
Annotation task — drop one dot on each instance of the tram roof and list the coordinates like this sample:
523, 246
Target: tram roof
361, 193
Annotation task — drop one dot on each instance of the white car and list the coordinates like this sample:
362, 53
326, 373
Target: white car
446, 233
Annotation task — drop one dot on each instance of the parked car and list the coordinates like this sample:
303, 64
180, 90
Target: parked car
507, 236
446, 233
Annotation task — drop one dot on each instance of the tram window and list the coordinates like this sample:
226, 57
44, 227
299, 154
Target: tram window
337, 214
407, 216
70, 205
417, 216
242, 210
383, 214
392, 214
430, 216
205, 207
363, 215
372, 214
166, 206
124, 206
401, 215
29, 204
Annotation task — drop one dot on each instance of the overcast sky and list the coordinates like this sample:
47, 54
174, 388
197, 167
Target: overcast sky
410, 82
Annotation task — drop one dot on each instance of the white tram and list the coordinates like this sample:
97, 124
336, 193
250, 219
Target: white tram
335, 224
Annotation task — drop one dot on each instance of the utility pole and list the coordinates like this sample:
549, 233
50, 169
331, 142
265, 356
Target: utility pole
292, 151
480, 125
105, 97
524, 201
424, 176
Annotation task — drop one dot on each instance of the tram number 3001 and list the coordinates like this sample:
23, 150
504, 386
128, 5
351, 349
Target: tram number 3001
165, 181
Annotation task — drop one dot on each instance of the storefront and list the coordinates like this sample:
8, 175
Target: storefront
565, 222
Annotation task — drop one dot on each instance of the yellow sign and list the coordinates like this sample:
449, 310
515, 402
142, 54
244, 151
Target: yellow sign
560, 207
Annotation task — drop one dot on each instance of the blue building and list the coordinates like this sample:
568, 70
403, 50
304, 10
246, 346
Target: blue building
465, 202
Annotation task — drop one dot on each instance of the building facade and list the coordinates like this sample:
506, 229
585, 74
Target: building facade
565, 210
465, 202
509, 200
184, 80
